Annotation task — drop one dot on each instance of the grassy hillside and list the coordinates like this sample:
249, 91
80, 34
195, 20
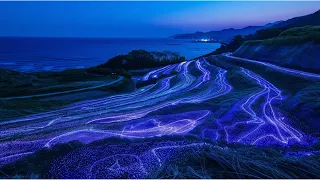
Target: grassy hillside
302, 94
136, 59
213, 158
28, 93
238, 40
296, 48
35, 90
217, 160
273, 30
13, 83
292, 36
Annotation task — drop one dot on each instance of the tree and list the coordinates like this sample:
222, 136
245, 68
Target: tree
235, 43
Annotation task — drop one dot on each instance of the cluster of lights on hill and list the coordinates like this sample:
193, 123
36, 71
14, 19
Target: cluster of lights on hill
204, 40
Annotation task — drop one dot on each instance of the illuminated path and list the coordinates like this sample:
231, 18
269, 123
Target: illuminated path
177, 105
278, 68
87, 121
257, 119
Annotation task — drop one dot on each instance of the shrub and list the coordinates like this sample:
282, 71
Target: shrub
138, 59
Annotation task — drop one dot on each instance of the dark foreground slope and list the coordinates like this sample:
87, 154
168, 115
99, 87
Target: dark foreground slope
28, 93
184, 158
297, 48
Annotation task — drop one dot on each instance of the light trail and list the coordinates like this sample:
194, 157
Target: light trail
141, 114
86, 121
155, 73
265, 124
154, 150
279, 68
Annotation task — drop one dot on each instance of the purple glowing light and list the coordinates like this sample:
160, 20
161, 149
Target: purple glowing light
134, 115
265, 123
278, 68
86, 121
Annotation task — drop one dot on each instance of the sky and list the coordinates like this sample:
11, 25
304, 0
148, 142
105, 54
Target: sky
140, 19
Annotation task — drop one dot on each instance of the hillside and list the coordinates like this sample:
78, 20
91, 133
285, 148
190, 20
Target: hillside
212, 114
136, 59
224, 35
311, 19
296, 48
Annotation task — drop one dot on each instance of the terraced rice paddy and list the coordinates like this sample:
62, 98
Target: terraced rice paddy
191, 99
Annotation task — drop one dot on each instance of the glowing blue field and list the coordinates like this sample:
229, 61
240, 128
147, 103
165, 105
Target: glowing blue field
192, 98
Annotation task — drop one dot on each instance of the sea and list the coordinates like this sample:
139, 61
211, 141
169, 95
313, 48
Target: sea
57, 54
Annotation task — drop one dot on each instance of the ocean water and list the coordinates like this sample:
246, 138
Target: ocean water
56, 54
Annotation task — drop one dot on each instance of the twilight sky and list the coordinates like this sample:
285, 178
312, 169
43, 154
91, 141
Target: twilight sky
139, 19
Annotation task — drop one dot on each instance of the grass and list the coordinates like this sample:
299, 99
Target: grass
218, 160
241, 162
302, 94
13, 83
292, 36
15, 108
11, 109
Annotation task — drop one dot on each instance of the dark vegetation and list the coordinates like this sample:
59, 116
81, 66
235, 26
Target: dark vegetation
296, 48
15, 108
136, 59
13, 83
16, 84
239, 162
11, 109
36, 166
291, 36
109, 71
218, 160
